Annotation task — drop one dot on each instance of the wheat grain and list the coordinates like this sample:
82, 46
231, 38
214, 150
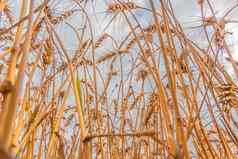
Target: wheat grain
119, 7
106, 57
100, 40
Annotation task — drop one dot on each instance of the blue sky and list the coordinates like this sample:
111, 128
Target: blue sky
186, 11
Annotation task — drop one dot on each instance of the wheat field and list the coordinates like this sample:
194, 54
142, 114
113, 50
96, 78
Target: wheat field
118, 79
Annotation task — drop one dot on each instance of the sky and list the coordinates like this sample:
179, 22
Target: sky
186, 11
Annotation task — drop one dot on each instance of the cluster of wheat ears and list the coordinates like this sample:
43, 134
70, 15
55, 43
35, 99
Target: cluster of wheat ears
155, 93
